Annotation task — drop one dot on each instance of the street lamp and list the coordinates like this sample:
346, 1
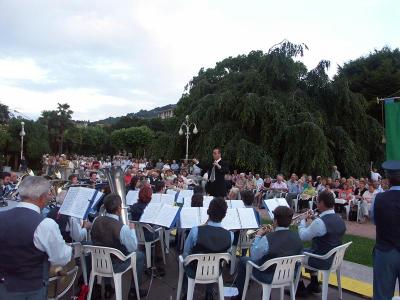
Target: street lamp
186, 125
22, 134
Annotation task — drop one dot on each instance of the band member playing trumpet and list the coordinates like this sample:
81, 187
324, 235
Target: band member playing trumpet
326, 233
270, 243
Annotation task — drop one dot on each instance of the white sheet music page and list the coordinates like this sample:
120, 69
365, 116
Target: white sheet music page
207, 200
236, 204
76, 201
203, 215
97, 199
167, 199
231, 220
273, 203
156, 198
189, 217
150, 213
166, 215
247, 218
132, 197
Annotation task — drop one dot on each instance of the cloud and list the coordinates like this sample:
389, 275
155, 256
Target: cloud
109, 58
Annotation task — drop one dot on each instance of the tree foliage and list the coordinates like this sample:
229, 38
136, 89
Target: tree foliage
269, 113
134, 140
88, 140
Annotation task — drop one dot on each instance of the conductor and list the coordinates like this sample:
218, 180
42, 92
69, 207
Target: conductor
216, 171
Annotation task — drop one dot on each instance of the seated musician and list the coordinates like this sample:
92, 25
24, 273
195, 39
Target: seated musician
268, 245
197, 200
29, 244
92, 178
137, 210
208, 238
325, 232
5, 182
248, 200
72, 229
109, 231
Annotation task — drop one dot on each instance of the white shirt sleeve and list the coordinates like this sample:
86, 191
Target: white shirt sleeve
316, 228
48, 238
78, 234
128, 238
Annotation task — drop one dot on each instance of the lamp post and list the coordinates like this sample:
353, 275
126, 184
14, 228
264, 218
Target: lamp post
186, 125
22, 134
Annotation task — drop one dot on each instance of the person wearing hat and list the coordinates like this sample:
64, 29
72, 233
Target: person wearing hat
385, 213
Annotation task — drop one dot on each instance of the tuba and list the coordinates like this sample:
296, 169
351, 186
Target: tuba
115, 177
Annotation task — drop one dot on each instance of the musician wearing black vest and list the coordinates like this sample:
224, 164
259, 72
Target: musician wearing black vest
29, 244
208, 238
109, 231
216, 171
325, 233
385, 213
268, 245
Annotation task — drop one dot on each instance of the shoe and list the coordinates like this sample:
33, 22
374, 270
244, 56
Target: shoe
132, 294
313, 288
109, 291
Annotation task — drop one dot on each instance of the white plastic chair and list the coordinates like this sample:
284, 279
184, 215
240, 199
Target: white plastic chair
338, 252
296, 202
57, 278
78, 253
244, 243
284, 275
102, 267
139, 228
207, 271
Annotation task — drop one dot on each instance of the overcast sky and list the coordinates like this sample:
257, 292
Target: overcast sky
110, 58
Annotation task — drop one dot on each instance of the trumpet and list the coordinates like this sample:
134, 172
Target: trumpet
297, 219
251, 234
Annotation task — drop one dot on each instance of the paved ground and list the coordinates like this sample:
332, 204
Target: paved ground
165, 288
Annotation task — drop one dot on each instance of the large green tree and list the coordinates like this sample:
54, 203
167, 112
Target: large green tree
135, 140
87, 140
270, 114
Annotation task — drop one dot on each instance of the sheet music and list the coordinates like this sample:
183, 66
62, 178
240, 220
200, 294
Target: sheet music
231, 220
167, 199
159, 214
166, 215
247, 218
273, 203
185, 195
132, 197
236, 204
189, 217
156, 198
207, 200
76, 202
150, 212
203, 215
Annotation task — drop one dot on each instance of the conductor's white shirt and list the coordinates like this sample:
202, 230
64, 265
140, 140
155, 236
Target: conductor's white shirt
47, 238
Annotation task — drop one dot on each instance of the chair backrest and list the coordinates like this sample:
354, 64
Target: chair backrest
208, 265
101, 259
285, 268
339, 255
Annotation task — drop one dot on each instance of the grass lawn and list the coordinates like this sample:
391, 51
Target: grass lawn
360, 251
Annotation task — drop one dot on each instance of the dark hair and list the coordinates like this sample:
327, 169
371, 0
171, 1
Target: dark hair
217, 209
247, 197
91, 173
5, 174
112, 202
198, 189
217, 148
327, 198
72, 176
283, 216
158, 186
133, 182
197, 200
